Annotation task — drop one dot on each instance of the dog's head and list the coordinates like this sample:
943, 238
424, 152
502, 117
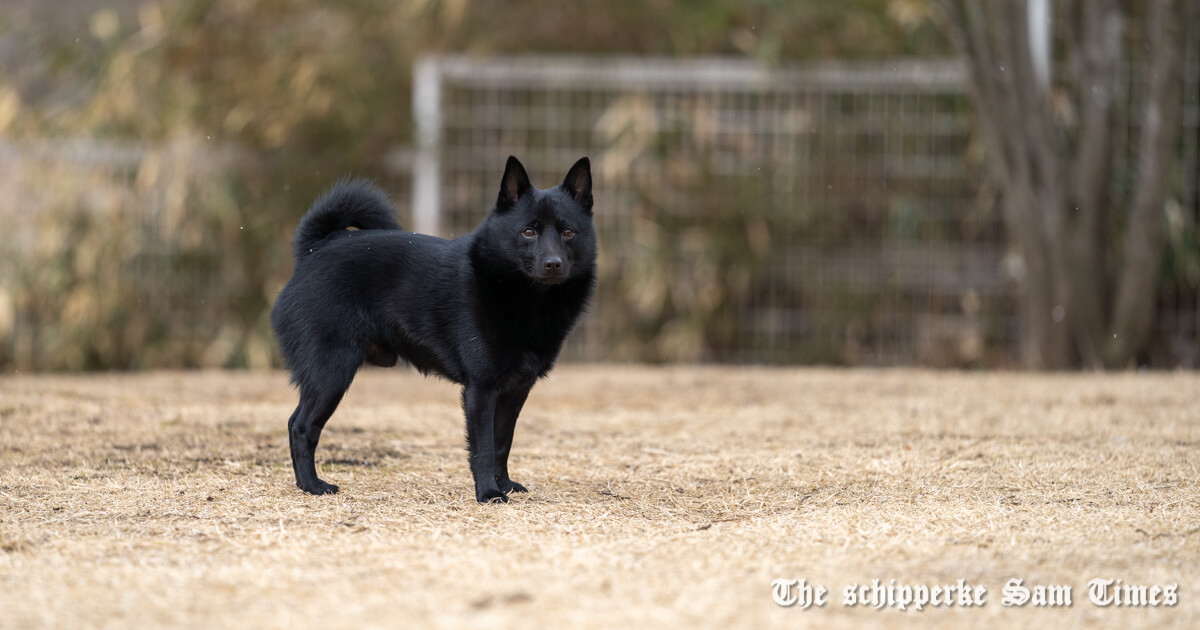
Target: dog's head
549, 233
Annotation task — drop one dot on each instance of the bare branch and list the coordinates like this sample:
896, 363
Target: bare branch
1098, 42
1144, 235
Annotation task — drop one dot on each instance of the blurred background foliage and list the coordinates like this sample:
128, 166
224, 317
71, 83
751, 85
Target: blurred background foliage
333, 78
222, 119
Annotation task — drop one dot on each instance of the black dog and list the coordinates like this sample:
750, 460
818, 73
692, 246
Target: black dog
488, 310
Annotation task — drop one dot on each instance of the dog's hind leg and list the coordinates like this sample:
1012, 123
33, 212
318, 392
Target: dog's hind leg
312, 414
508, 407
291, 424
317, 403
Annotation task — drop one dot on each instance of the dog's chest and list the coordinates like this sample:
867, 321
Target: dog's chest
525, 369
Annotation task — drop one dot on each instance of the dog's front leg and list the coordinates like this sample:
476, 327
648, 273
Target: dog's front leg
508, 407
479, 405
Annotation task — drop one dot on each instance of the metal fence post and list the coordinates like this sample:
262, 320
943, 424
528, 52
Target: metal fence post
426, 184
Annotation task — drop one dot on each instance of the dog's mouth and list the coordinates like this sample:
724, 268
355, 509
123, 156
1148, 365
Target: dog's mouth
550, 277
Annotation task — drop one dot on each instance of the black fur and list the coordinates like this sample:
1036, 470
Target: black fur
488, 310
350, 203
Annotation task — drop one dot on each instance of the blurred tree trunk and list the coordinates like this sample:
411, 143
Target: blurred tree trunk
1091, 251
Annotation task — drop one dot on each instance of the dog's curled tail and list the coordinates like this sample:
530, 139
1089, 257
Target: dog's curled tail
350, 203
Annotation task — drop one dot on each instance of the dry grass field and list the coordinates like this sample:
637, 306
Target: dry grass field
660, 497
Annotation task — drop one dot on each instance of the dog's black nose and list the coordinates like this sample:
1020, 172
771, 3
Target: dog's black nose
554, 264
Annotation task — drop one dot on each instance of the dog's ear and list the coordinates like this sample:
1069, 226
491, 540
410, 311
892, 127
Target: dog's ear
513, 185
578, 183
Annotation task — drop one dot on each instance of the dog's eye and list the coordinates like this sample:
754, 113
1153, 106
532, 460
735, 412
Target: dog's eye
529, 232
568, 234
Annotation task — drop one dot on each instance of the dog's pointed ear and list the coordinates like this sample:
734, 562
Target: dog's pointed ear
513, 185
578, 183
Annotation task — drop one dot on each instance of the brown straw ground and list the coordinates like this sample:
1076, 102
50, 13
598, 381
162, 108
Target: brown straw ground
660, 497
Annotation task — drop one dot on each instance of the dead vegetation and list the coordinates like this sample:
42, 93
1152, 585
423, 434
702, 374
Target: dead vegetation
659, 497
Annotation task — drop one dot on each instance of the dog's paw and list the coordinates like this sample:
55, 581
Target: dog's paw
491, 495
319, 488
508, 485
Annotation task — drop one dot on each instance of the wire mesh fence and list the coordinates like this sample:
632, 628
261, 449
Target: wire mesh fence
828, 214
